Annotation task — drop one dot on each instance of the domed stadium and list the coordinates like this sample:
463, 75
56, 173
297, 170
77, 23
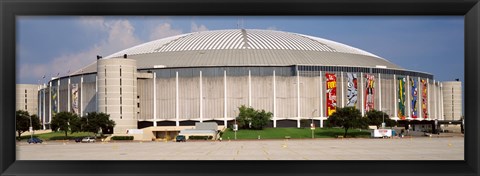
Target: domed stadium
205, 76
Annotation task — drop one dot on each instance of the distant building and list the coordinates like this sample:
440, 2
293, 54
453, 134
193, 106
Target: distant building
452, 100
27, 98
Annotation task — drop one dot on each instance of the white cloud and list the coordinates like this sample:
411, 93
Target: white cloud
164, 30
28, 71
60, 65
115, 35
119, 35
93, 23
196, 28
273, 28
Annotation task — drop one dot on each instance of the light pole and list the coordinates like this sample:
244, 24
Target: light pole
235, 126
383, 117
31, 128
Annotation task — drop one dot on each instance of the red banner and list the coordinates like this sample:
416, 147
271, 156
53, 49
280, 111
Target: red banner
331, 93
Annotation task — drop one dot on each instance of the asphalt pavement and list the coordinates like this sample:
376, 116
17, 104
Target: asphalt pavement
416, 148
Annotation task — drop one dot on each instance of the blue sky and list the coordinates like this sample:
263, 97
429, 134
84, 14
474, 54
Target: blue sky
55, 45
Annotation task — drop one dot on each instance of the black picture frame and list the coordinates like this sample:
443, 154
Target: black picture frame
9, 9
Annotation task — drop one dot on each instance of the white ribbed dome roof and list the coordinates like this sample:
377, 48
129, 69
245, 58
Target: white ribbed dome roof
246, 47
240, 39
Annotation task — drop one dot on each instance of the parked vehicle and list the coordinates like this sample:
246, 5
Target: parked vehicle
181, 138
88, 139
77, 140
34, 140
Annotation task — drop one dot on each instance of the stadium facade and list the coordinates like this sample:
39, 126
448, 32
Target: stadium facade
205, 76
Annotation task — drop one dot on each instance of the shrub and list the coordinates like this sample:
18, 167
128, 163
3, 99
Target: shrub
377, 117
305, 123
66, 138
249, 118
26, 137
200, 137
122, 138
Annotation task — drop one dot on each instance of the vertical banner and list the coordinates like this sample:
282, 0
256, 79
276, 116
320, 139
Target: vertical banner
369, 92
424, 99
413, 85
74, 96
352, 89
331, 93
401, 98
54, 99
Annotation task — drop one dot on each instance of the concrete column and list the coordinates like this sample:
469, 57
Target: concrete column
96, 92
113, 75
68, 90
380, 92
249, 89
81, 96
298, 98
420, 99
361, 93
44, 106
58, 95
39, 103
225, 97
428, 99
321, 100
177, 122
274, 101
438, 105
50, 102
154, 99
201, 97
442, 115
435, 100
408, 98
395, 101
341, 81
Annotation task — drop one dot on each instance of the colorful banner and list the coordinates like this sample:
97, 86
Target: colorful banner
54, 105
414, 92
352, 89
331, 93
74, 98
369, 92
401, 98
424, 99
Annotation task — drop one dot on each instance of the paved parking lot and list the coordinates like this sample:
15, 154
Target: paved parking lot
420, 148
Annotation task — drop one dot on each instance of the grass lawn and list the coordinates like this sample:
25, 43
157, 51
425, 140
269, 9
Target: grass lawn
59, 135
294, 133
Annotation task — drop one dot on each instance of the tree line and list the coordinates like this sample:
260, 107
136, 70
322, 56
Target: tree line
67, 122
347, 118
350, 117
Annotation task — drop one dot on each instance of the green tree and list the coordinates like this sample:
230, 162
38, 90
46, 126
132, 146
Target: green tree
251, 118
93, 122
377, 117
348, 117
261, 119
36, 122
64, 121
22, 122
